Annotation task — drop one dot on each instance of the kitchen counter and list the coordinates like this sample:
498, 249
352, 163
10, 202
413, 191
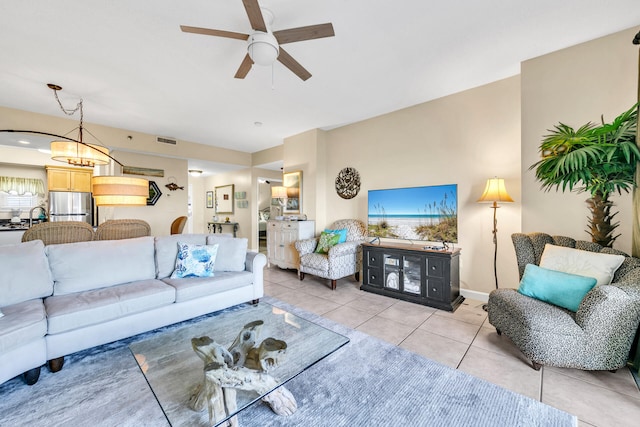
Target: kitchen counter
13, 227
6, 225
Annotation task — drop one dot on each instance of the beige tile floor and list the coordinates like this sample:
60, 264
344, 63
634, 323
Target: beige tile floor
464, 340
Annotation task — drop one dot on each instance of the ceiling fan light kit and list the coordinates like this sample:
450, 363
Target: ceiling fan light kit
263, 48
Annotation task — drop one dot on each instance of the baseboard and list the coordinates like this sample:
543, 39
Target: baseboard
475, 295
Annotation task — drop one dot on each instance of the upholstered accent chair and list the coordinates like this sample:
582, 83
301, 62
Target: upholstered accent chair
116, 229
52, 233
598, 336
178, 225
342, 259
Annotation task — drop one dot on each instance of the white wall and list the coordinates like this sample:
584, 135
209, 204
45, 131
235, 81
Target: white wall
462, 139
574, 86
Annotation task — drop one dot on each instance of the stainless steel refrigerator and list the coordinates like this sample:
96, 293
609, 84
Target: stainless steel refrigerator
70, 206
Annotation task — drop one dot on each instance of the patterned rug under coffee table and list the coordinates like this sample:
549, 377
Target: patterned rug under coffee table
368, 382
252, 350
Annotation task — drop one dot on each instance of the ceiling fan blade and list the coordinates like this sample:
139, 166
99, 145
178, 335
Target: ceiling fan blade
304, 33
244, 67
211, 32
255, 15
297, 69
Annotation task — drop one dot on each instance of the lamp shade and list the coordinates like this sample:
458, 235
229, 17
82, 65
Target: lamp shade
293, 192
262, 48
119, 191
495, 191
278, 192
78, 154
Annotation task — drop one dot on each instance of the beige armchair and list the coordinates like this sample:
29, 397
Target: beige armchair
342, 260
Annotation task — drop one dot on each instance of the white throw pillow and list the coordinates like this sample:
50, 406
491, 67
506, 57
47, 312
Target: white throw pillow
24, 273
584, 263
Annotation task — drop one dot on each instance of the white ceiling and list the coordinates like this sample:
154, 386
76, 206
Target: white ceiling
136, 70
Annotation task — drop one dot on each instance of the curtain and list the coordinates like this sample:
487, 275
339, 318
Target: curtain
22, 185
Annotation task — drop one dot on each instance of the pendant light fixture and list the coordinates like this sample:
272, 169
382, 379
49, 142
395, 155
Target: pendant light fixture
119, 191
111, 189
107, 190
77, 153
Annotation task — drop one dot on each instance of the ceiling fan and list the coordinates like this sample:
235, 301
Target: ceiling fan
263, 45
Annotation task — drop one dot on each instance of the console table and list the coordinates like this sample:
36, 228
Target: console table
411, 273
212, 227
281, 236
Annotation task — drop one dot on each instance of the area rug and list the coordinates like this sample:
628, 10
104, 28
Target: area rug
365, 383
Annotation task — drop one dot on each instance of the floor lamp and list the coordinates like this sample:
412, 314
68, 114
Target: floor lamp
495, 192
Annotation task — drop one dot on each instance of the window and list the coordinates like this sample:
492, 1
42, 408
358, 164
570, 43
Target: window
9, 201
20, 193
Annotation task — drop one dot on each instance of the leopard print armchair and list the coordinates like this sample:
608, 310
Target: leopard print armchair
342, 260
597, 337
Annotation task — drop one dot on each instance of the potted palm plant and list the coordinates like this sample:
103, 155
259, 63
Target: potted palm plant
598, 159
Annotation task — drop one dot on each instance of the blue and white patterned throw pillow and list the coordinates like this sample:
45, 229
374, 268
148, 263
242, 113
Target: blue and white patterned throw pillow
194, 260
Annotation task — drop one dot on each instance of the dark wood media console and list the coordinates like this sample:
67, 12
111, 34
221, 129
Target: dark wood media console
411, 273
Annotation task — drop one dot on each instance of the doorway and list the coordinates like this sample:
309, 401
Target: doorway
264, 209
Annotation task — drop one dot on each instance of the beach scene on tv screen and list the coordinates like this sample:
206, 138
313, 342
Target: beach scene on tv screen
427, 213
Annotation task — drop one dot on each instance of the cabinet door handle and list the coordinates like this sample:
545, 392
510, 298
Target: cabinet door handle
373, 277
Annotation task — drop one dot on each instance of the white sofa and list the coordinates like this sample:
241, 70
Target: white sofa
61, 299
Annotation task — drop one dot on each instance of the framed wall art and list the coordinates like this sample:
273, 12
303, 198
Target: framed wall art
292, 181
154, 193
224, 199
210, 199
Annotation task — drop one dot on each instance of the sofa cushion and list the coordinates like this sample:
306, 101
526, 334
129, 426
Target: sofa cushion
575, 261
232, 252
81, 309
555, 287
23, 323
83, 266
194, 260
24, 273
167, 251
196, 287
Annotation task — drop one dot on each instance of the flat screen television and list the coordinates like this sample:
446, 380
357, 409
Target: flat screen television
427, 213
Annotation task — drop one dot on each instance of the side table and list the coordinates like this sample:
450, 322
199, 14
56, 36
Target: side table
212, 226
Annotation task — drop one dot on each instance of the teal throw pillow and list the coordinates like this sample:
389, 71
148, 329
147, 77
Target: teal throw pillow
342, 232
555, 287
194, 260
326, 242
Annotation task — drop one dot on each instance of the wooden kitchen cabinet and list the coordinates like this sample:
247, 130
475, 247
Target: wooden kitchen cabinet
68, 179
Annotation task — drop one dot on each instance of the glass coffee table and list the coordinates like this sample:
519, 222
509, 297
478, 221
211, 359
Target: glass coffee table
182, 379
